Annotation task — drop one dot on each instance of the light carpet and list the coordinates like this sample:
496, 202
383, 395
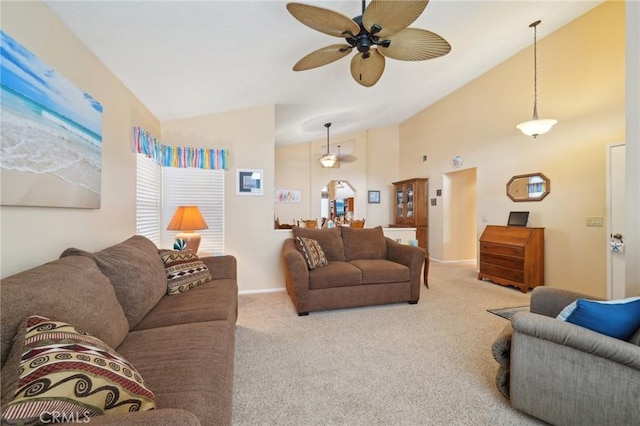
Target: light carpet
399, 364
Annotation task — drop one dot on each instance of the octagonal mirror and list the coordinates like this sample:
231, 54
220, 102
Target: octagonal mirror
529, 187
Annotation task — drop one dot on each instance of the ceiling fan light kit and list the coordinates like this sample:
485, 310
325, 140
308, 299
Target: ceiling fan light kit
328, 160
536, 126
381, 31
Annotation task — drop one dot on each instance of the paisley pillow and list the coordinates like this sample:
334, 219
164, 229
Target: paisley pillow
66, 373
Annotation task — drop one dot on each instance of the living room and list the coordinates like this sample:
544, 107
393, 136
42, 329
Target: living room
590, 88
573, 156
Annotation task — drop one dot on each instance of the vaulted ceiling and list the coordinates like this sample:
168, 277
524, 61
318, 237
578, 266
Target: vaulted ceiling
192, 58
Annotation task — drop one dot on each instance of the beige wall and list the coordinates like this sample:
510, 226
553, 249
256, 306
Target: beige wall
459, 203
298, 167
249, 235
632, 168
580, 83
31, 236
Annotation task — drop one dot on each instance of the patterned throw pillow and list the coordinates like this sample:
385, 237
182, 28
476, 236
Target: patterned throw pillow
184, 270
312, 252
65, 373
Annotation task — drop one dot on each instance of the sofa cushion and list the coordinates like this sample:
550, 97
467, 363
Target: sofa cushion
184, 270
136, 273
71, 289
312, 252
368, 243
335, 274
212, 301
188, 366
330, 239
53, 367
615, 318
381, 271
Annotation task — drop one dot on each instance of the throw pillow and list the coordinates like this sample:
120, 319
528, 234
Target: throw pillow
615, 318
312, 252
368, 243
68, 374
330, 239
184, 270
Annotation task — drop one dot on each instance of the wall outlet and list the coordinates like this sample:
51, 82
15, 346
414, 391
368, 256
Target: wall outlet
485, 219
594, 221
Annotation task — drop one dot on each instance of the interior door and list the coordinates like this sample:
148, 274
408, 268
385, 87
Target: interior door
616, 223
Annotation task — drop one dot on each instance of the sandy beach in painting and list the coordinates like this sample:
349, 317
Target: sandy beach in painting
47, 189
50, 135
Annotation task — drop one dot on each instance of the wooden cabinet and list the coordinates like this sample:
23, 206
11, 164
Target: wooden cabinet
512, 255
410, 208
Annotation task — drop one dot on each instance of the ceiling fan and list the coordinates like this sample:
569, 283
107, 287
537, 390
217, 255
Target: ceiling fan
381, 31
329, 159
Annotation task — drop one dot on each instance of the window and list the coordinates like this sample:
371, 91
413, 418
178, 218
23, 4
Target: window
148, 198
174, 187
203, 188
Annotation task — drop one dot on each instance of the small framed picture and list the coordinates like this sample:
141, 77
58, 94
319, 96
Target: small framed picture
374, 197
249, 182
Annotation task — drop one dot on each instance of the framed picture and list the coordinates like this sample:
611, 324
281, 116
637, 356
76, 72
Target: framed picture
249, 182
374, 197
288, 195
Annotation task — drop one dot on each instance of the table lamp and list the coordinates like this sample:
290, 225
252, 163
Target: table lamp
186, 220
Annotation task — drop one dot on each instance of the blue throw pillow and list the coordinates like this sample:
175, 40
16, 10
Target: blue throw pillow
615, 318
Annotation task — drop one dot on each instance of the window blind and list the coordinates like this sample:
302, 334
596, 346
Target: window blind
148, 198
200, 187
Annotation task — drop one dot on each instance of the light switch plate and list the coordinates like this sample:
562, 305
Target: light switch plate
594, 221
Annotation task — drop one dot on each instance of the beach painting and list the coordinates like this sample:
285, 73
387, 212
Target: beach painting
50, 135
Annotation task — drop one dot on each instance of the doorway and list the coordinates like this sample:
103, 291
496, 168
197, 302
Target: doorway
460, 206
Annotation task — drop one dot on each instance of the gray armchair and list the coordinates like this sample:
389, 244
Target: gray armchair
565, 374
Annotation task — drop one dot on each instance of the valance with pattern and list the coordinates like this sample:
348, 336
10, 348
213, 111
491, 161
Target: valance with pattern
178, 156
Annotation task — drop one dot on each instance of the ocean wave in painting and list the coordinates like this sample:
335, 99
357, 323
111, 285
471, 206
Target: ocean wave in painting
48, 124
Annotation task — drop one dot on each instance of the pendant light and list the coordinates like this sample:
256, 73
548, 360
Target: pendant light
536, 126
328, 160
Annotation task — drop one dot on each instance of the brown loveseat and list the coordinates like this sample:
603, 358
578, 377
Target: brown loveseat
181, 345
364, 268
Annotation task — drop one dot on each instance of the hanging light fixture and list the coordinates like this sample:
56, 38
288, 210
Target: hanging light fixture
328, 160
536, 126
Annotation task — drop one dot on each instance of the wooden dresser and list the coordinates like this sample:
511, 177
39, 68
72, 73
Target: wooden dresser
512, 255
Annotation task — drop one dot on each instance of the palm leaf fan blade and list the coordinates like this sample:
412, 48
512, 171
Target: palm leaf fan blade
392, 16
323, 56
367, 71
414, 44
324, 20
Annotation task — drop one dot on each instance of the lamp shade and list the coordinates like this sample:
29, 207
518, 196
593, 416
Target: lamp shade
328, 160
187, 218
537, 126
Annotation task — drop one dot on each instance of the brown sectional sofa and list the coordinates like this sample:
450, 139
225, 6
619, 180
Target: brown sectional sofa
364, 268
182, 345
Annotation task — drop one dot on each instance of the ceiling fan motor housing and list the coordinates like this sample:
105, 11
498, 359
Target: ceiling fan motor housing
365, 39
